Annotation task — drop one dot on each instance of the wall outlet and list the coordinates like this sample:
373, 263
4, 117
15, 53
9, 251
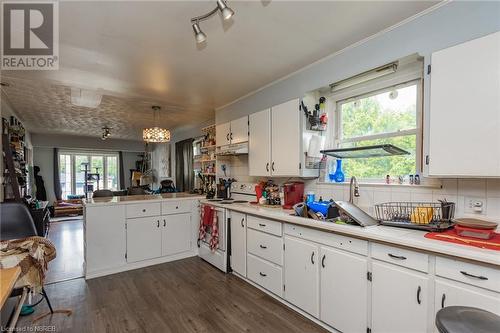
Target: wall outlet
475, 205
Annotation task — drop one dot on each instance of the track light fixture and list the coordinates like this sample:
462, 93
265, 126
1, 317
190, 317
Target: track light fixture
225, 11
106, 133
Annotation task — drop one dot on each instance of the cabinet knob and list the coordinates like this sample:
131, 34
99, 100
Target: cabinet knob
144, 210
176, 207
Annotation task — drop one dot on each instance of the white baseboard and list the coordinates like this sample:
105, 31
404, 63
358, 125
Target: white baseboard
140, 264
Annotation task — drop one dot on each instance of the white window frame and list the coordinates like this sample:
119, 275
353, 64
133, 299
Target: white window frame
89, 154
376, 87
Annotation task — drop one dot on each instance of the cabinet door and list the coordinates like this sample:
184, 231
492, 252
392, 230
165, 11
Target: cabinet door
143, 238
222, 134
239, 243
259, 144
302, 274
399, 299
344, 290
465, 109
451, 293
176, 233
239, 130
285, 142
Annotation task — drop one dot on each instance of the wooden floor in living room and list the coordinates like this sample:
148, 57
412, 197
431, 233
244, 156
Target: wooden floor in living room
188, 295
67, 236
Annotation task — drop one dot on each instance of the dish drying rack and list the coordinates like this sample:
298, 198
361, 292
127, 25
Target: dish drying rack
429, 216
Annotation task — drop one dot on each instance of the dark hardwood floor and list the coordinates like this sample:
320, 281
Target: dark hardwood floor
183, 296
67, 237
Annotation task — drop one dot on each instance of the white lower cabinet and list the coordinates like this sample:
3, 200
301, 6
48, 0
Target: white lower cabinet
176, 234
143, 238
239, 243
399, 299
302, 274
450, 293
266, 274
157, 236
344, 290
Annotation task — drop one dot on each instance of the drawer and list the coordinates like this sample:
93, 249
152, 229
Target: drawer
176, 207
474, 274
271, 227
266, 246
265, 274
346, 243
402, 257
143, 210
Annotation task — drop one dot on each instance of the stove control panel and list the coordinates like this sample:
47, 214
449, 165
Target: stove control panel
244, 188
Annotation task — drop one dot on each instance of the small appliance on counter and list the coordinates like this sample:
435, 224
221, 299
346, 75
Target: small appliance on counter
293, 194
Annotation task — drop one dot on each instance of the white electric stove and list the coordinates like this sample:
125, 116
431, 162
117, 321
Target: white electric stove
240, 193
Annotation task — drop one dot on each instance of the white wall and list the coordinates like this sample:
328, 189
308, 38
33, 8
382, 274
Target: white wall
451, 24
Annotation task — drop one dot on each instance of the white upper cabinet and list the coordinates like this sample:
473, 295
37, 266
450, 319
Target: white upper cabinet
232, 132
276, 142
286, 136
239, 130
464, 115
222, 134
259, 144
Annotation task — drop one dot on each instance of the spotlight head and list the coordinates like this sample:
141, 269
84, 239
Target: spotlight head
226, 12
198, 34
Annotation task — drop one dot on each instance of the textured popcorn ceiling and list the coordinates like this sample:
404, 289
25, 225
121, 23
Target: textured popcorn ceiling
141, 53
46, 108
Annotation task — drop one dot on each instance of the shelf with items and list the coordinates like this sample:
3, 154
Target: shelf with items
15, 184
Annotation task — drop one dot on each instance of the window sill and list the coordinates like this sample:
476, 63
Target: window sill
375, 184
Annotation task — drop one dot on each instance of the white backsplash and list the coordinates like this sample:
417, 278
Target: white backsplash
460, 191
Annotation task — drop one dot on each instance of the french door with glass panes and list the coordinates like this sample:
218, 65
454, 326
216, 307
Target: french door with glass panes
72, 171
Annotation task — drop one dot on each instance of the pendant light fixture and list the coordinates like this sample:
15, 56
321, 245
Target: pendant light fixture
156, 134
225, 11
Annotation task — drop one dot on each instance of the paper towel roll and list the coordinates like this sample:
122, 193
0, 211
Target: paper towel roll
316, 144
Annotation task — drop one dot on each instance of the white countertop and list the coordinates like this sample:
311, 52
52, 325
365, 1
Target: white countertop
121, 200
398, 236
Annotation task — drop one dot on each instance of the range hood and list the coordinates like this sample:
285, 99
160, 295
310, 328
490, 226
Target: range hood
365, 152
234, 149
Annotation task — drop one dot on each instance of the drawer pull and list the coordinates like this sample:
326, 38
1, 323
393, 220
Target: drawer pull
176, 207
242, 220
158, 223
443, 298
263, 246
323, 261
396, 257
419, 290
267, 166
164, 223
312, 258
262, 274
144, 210
480, 277
262, 225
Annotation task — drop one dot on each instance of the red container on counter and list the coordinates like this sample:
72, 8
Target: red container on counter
294, 193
